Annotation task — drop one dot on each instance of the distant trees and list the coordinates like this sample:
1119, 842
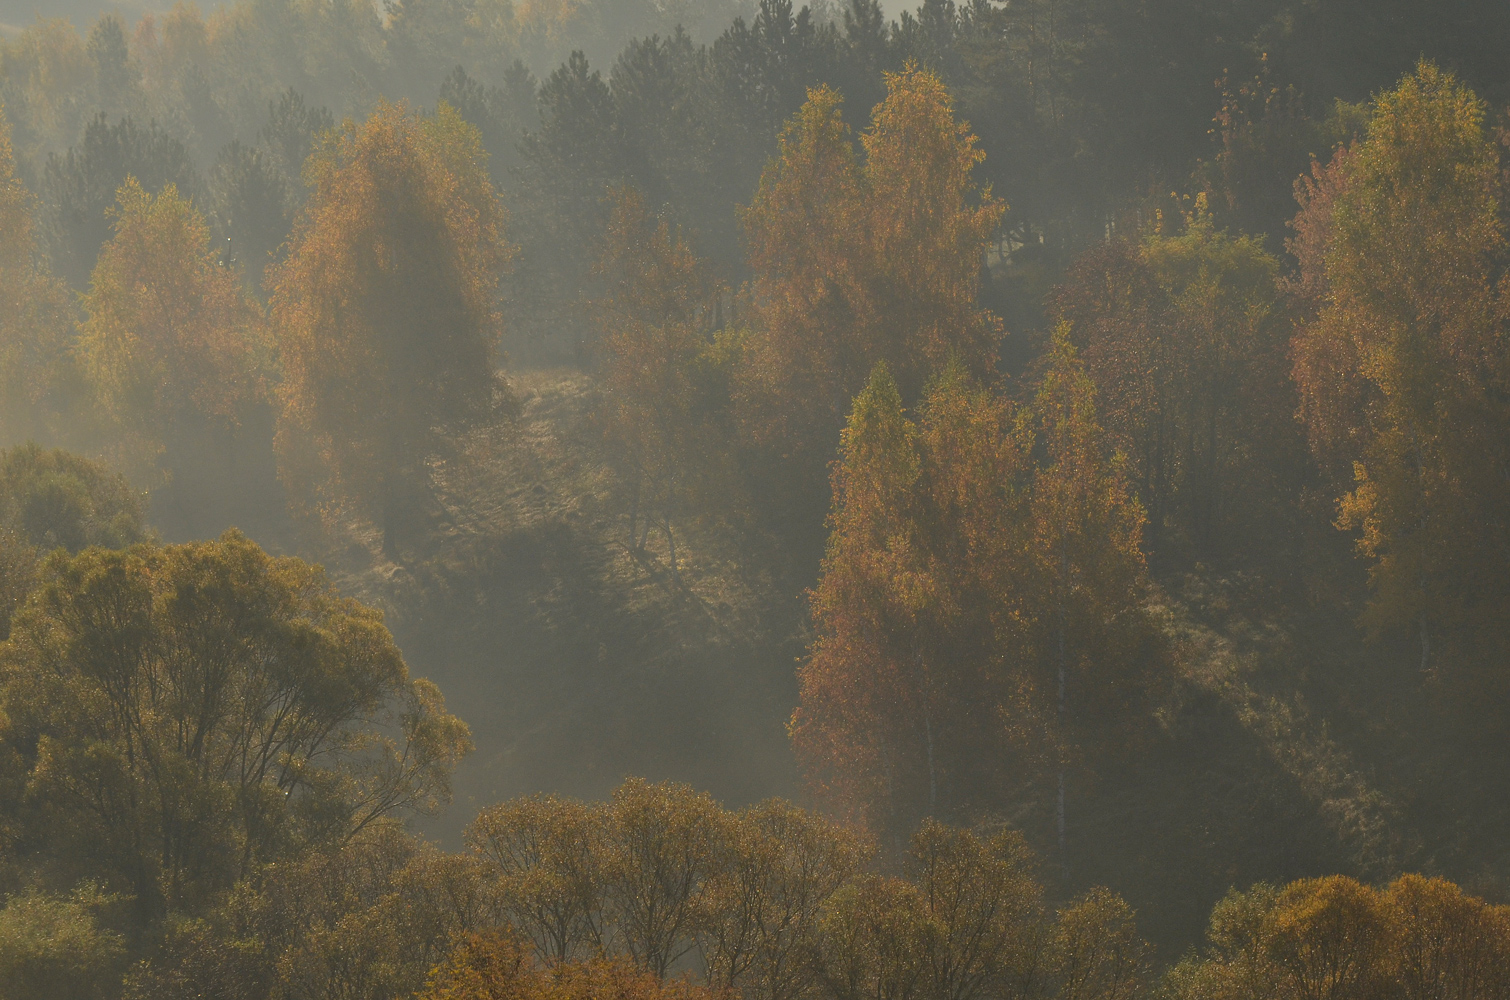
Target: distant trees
980, 590
54, 499
1402, 373
172, 342
177, 717
36, 315
50, 500
80, 185
384, 313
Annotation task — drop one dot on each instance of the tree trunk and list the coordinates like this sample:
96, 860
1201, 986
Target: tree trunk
390, 520
1064, 571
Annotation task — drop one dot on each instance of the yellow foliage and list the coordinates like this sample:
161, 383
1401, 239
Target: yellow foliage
171, 339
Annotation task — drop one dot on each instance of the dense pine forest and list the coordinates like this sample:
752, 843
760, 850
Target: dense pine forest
710, 499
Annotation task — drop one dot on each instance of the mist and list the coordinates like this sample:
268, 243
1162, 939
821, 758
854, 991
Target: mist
688, 497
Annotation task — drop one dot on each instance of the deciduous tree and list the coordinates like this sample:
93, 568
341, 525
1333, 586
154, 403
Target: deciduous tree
186, 714
1405, 364
172, 342
384, 312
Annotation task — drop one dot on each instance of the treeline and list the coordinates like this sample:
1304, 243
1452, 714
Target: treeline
662, 893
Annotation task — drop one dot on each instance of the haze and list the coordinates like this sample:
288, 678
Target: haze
668, 499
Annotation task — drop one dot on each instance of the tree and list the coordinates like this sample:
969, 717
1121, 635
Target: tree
1094, 950
760, 916
663, 383
985, 912
1085, 547
55, 946
805, 229
1409, 338
184, 715
664, 846
80, 186
293, 131
1184, 335
172, 342
929, 228
545, 856
384, 312
862, 685
36, 316
54, 499
492, 966
251, 211
1334, 939
859, 264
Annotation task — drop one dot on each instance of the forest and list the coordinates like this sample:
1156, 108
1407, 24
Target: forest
736, 500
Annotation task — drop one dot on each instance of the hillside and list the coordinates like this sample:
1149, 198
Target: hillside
577, 664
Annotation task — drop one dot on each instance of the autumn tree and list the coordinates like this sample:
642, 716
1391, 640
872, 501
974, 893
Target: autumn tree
864, 724
544, 857
492, 966
856, 263
981, 576
968, 921
1335, 939
1404, 364
384, 313
665, 384
804, 229
371, 916
1094, 653
54, 499
1184, 335
36, 317
171, 343
760, 915
184, 715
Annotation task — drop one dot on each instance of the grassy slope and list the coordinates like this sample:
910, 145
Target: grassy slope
1284, 750
575, 663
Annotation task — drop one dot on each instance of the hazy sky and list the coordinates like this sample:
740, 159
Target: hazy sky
19, 13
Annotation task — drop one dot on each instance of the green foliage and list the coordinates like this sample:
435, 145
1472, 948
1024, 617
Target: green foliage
184, 715
55, 499
55, 946
79, 187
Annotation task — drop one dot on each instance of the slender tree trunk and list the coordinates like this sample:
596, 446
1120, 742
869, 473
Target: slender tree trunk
671, 546
933, 787
1064, 572
390, 519
1415, 442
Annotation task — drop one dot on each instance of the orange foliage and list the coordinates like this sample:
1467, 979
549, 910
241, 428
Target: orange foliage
385, 309
856, 264
961, 575
1403, 369
495, 966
